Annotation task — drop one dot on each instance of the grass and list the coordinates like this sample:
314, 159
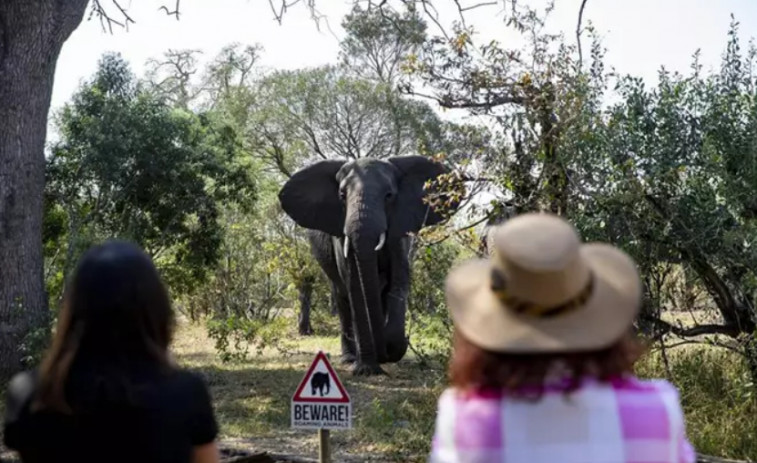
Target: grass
718, 399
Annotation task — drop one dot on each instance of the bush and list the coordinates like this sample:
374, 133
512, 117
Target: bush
429, 324
235, 336
716, 394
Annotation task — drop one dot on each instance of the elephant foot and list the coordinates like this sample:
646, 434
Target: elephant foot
348, 359
367, 369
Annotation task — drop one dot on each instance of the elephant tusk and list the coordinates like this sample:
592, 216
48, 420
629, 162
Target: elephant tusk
382, 240
346, 246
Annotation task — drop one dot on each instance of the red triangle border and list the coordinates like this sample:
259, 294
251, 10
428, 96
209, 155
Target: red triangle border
297, 395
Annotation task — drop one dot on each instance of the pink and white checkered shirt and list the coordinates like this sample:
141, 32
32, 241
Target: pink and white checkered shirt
622, 421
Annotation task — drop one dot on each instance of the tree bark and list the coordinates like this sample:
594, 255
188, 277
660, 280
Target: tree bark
31, 36
305, 290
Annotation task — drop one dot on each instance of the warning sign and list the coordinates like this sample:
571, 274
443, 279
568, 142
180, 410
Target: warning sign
320, 401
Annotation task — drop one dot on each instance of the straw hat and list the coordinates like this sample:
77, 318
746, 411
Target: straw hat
544, 291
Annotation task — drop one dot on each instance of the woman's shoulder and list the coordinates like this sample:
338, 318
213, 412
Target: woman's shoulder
187, 381
622, 386
652, 386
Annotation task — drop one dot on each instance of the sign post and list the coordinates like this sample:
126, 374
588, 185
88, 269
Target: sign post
324, 446
321, 402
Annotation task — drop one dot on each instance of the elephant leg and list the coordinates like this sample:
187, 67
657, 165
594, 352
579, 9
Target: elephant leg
349, 349
327, 250
333, 300
395, 301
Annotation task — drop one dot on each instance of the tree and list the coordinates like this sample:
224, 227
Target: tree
672, 183
378, 42
323, 113
130, 166
170, 78
32, 36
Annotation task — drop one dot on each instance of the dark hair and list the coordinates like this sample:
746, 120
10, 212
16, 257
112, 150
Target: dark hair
524, 375
116, 316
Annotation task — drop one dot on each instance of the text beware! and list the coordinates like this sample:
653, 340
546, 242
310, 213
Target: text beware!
321, 415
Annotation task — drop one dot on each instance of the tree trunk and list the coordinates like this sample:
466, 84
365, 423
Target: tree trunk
31, 36
305, 290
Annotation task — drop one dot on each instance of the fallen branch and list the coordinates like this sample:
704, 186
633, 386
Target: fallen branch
240, 456
690, 332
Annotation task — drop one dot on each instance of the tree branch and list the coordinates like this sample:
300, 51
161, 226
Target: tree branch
449, 103
175, 11
107, 20
578, 33
693, 331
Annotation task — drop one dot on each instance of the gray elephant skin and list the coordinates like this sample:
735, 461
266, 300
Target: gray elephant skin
358, 215
319, 381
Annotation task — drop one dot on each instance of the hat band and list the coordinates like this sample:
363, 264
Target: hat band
523, 307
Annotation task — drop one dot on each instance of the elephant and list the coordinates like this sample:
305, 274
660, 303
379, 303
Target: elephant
319, 381
358, 215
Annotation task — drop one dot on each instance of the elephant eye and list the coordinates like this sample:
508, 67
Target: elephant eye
390, 196
342, 195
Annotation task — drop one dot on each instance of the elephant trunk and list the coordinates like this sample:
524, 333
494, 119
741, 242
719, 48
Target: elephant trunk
369, 315
364, 225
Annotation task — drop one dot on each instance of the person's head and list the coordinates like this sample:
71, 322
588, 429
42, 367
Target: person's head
116, 314
543, 304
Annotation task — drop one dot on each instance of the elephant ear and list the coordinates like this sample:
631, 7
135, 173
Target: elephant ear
311, 197
412, 213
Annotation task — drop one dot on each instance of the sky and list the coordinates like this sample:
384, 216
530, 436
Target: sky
640, 35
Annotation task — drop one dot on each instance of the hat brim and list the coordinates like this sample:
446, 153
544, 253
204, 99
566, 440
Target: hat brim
606, 316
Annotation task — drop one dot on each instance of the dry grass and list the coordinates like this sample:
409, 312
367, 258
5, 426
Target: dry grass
717, 395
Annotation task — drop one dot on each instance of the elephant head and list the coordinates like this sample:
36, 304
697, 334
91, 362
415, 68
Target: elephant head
371, 205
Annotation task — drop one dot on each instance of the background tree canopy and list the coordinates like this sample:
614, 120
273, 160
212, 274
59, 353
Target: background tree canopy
129, 166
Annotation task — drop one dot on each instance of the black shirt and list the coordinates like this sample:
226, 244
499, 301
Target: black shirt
168, 414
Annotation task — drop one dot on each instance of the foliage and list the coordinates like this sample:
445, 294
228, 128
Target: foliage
264, 264
128, 166
323, 113
429, 323
665, 173
236, 335
672, 187
378, 42
717, 399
